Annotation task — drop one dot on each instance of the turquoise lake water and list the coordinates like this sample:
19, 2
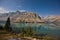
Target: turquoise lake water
52, 29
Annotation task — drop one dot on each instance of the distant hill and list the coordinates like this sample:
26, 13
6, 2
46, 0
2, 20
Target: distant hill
54, 19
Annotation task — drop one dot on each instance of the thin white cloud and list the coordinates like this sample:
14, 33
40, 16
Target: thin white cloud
17, 10
3, 10
22, 10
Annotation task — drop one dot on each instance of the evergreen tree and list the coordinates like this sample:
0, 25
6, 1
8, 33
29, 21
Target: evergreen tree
1, 27
23, 32
29, 31
7, 25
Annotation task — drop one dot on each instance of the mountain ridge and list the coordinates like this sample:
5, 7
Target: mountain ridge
21, 17
54, 19
17, 17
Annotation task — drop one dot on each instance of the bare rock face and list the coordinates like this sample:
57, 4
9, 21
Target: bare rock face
54, 19
17, 17
26, 17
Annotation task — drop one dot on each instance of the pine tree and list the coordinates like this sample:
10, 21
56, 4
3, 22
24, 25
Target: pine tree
7, 25
22, 32
29, 31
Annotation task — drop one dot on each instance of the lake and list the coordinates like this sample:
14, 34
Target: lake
51, 29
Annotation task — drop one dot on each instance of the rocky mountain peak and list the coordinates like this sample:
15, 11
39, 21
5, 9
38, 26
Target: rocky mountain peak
22, 17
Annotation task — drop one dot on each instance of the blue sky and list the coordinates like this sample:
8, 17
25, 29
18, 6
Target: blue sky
41, 7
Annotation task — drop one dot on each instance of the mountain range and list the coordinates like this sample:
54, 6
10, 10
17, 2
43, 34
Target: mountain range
53, 19
18, 16
21, 17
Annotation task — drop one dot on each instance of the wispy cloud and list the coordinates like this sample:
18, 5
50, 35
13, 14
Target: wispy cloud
17, 10
22, 10
3, 10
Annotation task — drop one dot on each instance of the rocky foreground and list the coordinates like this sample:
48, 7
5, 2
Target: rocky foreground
8, 36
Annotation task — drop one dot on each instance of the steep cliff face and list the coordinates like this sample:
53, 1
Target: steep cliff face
17, 17
26, 17
21, 17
